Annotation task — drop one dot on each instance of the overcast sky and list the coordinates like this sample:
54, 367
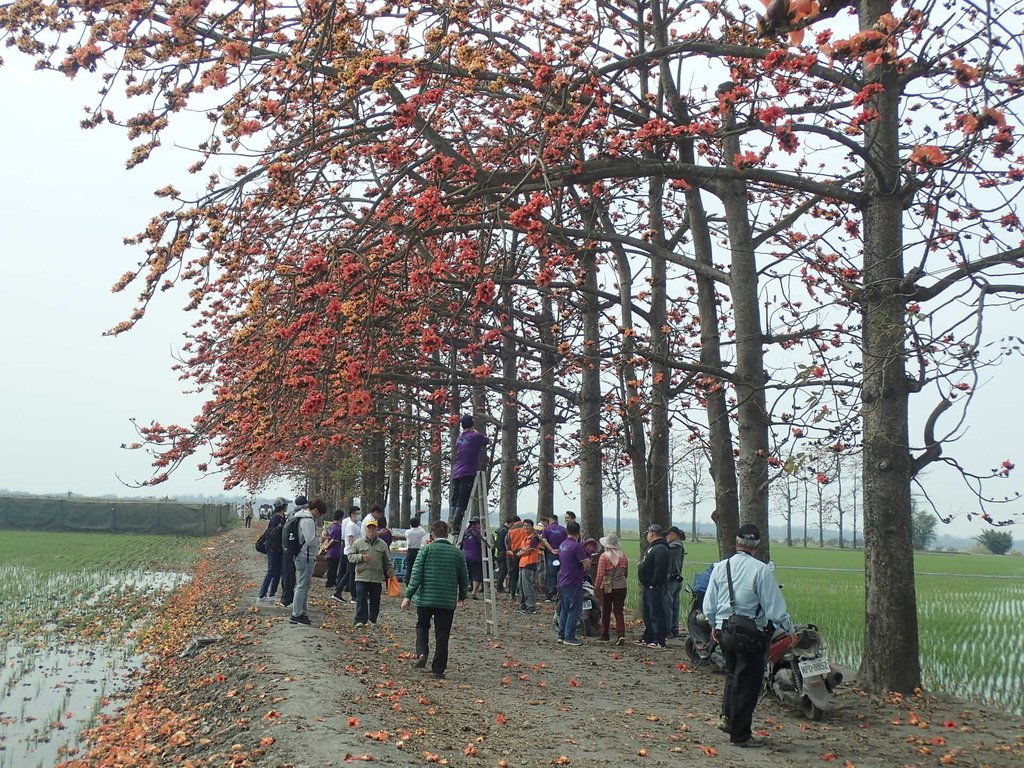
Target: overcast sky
68, 392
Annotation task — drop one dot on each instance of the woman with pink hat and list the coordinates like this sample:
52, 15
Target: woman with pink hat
610, 582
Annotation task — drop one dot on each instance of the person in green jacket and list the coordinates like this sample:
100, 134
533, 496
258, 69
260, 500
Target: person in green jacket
438, 585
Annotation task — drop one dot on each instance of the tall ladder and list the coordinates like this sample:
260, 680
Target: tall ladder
478, 509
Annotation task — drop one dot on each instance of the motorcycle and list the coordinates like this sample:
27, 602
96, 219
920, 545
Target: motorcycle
590, 614
699, 646
798, 672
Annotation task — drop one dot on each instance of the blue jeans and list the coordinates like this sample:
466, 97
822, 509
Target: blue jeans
570, 603
527, 576
304, 565
270, 581
672, 590
654, 615
550, 576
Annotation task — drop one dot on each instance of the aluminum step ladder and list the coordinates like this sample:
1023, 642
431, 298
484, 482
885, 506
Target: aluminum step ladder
478, 509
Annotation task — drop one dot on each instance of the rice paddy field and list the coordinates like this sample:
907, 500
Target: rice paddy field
73, 604
970, 612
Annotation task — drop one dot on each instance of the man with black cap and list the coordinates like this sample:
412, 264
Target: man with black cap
741, 599
653, 575
272, 536
469, 450
290, 528
677, 553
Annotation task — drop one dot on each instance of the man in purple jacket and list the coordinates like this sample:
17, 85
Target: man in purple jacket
469, 450
473, 548
551, 539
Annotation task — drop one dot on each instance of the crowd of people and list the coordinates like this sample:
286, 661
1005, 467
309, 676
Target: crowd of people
553, 559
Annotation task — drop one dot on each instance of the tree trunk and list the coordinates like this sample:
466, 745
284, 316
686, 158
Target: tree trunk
720, 454
546, 448
634, 432
509, 461
661, 376
891, 660
591, 505
751, 410
408, 448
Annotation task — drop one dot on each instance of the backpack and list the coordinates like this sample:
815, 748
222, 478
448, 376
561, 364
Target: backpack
261, 542
290, 537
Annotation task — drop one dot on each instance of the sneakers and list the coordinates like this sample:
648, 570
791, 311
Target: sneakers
359, 625
723, 724
640, 641
620, 640
337, 599
421, 662
303, 619
749, 743
656, 646
559, 640
439, 675
572, 642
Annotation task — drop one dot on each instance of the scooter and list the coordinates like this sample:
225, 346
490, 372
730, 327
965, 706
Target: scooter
590, 614
699, 646
798, 672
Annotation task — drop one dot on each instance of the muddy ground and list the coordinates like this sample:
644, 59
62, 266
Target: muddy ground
270, 693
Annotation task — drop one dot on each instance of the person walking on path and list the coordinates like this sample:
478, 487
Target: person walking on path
472, 546
350, 533
610, 583
437, 586
675, 538
742, 597
415, 538
248, 514
552, 536
372, 560
512, 559
273, 538
574, 564
653, 575
305, 560
501, 556
287, 561
333, 552
469, 450
525, 543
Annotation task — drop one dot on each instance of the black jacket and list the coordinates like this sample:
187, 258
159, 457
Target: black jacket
653, 571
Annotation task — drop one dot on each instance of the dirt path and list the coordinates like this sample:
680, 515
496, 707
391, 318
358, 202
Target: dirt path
276, 694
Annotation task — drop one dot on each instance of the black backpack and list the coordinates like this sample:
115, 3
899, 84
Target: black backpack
270, 539
290, 537
261, 542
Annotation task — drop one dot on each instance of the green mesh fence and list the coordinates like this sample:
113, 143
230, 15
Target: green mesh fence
157, 517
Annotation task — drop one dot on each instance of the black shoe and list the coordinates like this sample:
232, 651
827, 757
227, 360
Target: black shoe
303, 619
723, 724
439, 675
421, 662
749, 743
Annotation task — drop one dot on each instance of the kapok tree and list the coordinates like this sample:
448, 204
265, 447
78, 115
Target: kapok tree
456, 121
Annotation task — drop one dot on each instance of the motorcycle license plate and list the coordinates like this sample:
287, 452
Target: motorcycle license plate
587, 605
814, 667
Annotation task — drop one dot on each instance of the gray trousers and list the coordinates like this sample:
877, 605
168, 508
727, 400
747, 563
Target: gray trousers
303, 576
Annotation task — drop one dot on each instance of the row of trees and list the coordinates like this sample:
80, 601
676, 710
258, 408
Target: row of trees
599, 224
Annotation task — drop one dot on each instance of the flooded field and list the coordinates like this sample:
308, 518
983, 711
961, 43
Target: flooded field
67, 637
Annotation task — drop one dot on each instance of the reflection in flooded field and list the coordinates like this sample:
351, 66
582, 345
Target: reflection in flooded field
67, 647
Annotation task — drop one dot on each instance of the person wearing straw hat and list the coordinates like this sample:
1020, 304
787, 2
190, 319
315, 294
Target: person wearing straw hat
610, 583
